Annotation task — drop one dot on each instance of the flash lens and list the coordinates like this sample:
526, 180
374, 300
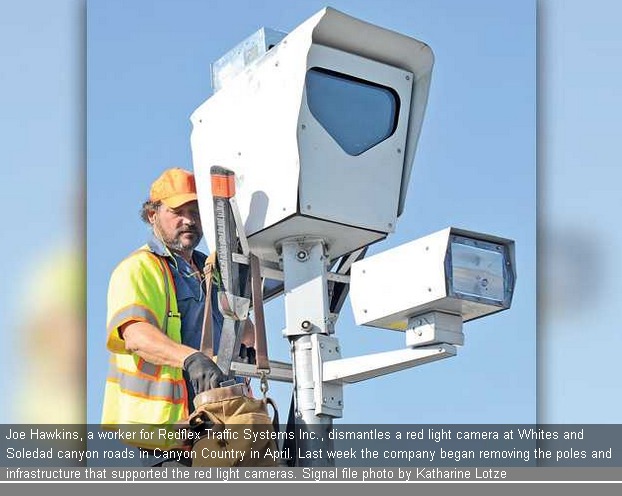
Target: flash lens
477, 271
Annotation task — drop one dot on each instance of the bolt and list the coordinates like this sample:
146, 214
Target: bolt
407, 78
337, 349
306, 325
430, 290
302, 255
308, 207
321, 345
399, 150
390, 225
304, 126
340, 402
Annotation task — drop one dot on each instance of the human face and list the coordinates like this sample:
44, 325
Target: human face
179, 228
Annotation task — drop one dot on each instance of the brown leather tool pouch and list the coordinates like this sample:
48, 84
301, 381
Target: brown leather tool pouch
235, 429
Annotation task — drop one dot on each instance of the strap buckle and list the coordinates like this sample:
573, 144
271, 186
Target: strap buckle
263, 383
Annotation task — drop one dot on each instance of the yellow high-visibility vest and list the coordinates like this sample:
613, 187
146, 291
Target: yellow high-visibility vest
140, 395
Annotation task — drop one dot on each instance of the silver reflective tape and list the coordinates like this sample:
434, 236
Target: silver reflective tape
139, 386
128, 313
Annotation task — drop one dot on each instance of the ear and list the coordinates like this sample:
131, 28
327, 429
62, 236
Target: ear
151, 215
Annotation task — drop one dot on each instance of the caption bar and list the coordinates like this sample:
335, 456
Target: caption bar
452, 446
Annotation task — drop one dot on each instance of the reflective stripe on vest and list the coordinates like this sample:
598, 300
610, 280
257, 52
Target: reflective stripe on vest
170, 390
131, 312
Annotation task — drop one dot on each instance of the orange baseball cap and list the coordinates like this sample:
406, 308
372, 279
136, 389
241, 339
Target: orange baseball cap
174, 188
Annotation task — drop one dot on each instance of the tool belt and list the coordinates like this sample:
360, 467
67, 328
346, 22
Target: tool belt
235, 429
231, 427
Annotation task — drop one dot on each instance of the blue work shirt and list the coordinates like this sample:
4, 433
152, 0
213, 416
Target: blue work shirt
190, 291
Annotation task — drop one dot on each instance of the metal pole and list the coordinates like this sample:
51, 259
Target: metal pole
307, 309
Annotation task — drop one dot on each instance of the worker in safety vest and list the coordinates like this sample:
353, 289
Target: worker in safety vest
156, 301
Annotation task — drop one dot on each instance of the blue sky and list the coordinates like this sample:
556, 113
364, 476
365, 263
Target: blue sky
148, 69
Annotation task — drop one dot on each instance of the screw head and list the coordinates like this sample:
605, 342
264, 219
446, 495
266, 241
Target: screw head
305, 325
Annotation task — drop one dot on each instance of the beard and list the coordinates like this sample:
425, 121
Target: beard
184, 239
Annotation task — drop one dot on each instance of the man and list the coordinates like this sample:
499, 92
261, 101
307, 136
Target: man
156, 301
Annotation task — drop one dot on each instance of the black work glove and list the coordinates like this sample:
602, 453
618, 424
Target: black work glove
248, 354
203, 373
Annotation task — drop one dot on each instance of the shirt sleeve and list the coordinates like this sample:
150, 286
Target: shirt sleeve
135, 293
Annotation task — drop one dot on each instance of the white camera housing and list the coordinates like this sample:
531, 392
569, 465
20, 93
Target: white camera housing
453, 271
321, 133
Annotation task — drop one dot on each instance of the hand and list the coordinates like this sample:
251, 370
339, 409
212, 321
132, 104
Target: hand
204, 374
248, 354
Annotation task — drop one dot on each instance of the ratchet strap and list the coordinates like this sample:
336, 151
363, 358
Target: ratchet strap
207, 336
